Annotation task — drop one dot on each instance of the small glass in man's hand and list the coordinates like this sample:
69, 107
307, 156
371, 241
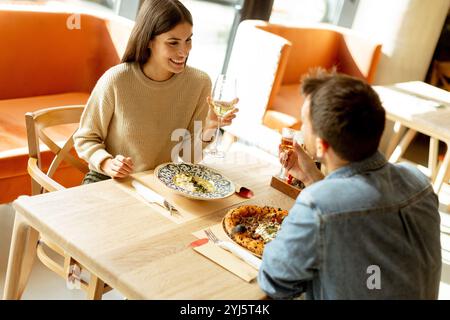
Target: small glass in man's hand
287, 143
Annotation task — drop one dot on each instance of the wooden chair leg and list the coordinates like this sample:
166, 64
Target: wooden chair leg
397, 132
16, 258
29, 258
442, 173
96, 288
433, 152
403, 145
36, 188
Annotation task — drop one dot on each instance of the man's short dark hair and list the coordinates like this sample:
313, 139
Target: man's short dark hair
346, 112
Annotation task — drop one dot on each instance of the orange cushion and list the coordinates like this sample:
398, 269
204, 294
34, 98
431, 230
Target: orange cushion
289, 100
13, 133
40, 55
278, 120
311, 47
286, 109
14, 179
43, 63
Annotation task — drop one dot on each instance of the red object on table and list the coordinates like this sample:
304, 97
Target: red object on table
289, 180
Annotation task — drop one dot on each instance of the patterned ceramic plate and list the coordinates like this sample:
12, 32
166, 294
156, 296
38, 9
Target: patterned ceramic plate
194, 181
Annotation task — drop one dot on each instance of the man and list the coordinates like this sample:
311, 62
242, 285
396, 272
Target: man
370, 229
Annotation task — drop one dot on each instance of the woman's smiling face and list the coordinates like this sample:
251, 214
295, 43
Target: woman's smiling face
170, 50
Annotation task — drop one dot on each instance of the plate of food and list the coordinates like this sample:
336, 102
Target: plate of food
194, 181
252, 227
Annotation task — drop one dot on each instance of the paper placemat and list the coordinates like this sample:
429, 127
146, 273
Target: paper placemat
188, 209
222, 257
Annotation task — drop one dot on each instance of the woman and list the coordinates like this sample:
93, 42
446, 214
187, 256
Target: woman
136, 106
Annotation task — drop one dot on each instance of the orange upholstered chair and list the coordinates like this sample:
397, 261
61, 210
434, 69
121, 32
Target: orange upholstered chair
46, 62
269, 61
314, 46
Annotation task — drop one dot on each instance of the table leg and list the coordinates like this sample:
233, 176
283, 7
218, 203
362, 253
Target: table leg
29, 257
403, 145
398, 130
96, 288
16, 258
433, 157
443, 170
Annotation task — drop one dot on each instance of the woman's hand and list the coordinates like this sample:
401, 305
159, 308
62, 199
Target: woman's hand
119, 167
212, 119
300, 165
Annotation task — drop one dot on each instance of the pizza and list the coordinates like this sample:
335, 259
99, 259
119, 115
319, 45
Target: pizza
253, 226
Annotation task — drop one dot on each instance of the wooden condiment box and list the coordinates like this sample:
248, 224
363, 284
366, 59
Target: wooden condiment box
284, 187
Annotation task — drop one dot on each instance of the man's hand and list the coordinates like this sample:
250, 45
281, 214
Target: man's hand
119, 167
300, 165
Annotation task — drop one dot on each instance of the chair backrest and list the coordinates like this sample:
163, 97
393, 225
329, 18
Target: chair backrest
37, 124
324, 45
310, 47
358, 56
258, 61
41, 55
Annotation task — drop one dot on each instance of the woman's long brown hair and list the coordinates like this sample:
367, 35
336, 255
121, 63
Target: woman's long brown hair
154, 18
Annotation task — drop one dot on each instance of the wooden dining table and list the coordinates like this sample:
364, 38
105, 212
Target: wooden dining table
132, 247
417, 107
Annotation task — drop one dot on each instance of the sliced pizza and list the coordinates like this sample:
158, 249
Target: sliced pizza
253, 226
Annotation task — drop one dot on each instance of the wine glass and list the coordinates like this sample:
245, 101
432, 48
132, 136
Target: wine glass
287, 143
223, 99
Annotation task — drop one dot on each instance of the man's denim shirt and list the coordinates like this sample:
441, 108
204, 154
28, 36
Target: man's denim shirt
370, 230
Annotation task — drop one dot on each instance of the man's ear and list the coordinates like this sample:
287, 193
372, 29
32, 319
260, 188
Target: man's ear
321, 147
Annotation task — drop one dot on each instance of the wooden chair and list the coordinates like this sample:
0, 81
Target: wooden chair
37, 124
305, 47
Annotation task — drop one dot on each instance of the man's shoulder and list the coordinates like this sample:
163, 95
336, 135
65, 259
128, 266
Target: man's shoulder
407, 170
324, 192
389, 186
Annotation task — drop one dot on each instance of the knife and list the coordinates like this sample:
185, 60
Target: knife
241, 253
148, 194
235, 249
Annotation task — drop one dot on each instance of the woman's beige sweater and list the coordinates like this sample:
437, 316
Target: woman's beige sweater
132, 115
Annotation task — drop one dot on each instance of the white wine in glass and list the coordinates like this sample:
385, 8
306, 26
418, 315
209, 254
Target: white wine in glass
224, 100
222, 108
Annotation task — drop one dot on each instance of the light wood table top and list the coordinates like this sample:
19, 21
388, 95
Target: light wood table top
138, 251
418, 106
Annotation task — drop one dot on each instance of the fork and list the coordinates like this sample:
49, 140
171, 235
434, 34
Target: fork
171, 208
234, 249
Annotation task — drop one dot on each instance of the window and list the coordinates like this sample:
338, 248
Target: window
338, 12
299, 11
213, 20
106, 3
